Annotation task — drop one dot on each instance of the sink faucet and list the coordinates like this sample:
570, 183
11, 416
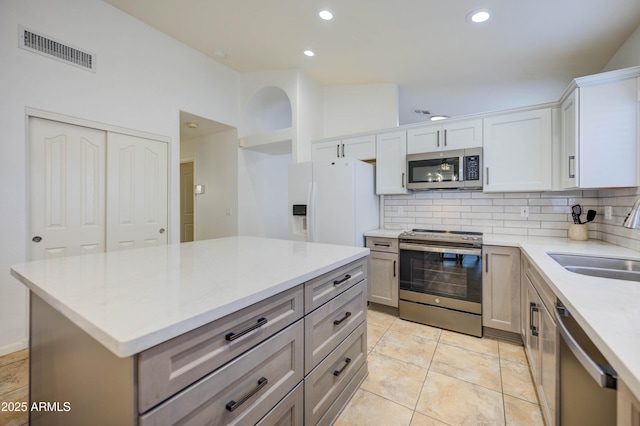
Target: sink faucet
633, 218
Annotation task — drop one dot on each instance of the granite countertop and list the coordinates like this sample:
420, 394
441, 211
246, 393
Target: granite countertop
608, 310
133, 300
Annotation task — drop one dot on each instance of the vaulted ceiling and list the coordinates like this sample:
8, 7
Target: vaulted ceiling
526, 53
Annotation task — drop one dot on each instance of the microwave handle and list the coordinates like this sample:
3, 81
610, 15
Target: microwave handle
461, 173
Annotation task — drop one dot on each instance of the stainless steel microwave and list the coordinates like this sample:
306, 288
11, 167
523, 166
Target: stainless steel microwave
460, 168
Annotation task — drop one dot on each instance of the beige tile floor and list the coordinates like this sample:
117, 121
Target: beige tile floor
420, 375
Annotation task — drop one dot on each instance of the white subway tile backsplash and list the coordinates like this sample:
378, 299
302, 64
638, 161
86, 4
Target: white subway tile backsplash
499, 213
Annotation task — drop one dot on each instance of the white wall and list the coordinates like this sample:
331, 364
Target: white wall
628, 55
263, 194
362, 108
143, 79
216, 167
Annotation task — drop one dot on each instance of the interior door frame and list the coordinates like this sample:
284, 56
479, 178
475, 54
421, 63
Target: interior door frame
47, 115
195, 199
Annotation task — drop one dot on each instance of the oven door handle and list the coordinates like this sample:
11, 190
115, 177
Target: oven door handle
432, 249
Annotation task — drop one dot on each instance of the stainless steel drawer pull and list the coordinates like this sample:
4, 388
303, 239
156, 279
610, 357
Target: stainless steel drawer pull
533, 308
338, 372
233, 336
232, 405
338, 322
346, 278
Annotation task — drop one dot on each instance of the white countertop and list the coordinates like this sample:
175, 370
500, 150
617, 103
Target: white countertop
133, 300
608, 310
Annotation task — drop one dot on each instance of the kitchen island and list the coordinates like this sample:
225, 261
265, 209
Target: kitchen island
222, 330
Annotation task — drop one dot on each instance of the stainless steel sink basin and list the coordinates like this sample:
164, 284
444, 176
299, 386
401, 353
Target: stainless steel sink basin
603, 267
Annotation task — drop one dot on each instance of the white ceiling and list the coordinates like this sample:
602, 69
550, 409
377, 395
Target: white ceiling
526, 54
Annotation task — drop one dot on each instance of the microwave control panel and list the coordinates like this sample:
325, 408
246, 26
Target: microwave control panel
472, 167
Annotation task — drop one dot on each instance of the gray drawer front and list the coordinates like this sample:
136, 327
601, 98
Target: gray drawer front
322, 387
288, 412
325, 287
331, 415
278, 359
321, 331
172, 366
389, 245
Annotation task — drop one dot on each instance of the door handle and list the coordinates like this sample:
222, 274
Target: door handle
487, 176
533, 308
338, 150
343, 150
438, 138
403, 180
36, 239
161, 230
571, 158
230, 337
346, 315
346, 278
232, 405
486, 262
346, 363
445, 137
394, 267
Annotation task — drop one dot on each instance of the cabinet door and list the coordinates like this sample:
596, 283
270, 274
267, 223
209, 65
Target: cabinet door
628, 406
501, 288
391, 163
137, 186
548, 365
328, 150
517, 152
608, 134
424, 139
383, 278
532, 304
465, 134
569, 157
359, 147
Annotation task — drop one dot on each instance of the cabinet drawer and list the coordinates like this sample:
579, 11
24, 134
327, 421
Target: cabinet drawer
241, 392
332, 322
171, 366
326, 382
383, 244
325, 287
288, 412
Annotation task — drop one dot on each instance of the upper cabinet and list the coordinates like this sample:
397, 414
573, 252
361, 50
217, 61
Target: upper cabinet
456, 135
391, 163
600, 132
517, 151
359, 147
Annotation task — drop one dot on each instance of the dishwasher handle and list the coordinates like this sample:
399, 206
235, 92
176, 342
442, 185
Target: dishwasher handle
604, 375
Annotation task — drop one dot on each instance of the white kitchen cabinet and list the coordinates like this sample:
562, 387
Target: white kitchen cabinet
540, 338
628, 406
361, 147
391, 163
438, 137
383, 271
517, 151
501, 288
599, 134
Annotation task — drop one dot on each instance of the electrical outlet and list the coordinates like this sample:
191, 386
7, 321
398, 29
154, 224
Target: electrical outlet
227, 211
400, 210
524, 211
607, 213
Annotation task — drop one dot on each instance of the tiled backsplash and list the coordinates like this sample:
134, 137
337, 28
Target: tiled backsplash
549, 213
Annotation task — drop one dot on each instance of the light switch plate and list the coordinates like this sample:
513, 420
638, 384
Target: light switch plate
524, 211
198, 189
607, 213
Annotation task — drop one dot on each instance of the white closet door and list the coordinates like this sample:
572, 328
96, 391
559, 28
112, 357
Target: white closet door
67, 189
137, 187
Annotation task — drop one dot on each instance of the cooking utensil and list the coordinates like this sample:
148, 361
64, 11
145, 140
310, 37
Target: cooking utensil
591, 214
576, 211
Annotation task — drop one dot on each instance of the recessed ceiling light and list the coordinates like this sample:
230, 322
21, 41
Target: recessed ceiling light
439, 117
192, 125
309, 52
220, 54
325, 14
479, 16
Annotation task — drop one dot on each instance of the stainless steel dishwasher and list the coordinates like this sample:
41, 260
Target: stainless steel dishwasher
587, 381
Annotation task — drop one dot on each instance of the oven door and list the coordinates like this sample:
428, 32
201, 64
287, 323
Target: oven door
452, 273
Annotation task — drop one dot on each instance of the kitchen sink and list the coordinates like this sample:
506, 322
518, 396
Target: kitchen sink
603, 267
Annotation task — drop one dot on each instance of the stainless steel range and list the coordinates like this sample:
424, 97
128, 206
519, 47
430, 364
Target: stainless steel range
441, 279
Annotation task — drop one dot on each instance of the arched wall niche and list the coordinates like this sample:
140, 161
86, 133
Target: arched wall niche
268, 110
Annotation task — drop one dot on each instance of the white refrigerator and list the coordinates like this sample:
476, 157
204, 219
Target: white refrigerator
332, 201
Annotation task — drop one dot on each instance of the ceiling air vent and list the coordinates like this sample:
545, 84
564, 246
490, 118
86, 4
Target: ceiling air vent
57, 50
